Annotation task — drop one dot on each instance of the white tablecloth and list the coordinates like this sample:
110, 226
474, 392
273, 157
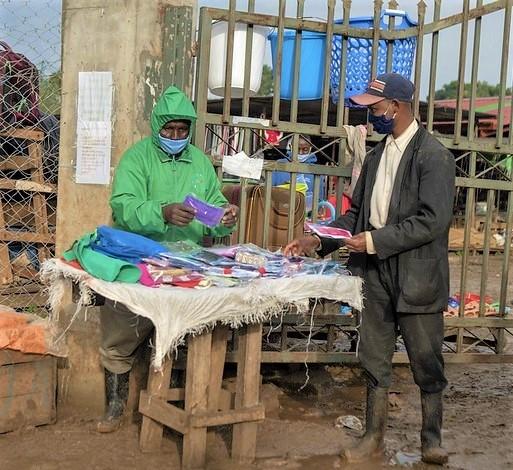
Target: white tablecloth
177, 312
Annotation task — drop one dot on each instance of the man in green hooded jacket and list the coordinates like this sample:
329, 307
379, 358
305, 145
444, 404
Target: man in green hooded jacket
150, 184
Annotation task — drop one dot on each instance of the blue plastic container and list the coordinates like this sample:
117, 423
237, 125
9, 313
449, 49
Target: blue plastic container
311, 68
359, 54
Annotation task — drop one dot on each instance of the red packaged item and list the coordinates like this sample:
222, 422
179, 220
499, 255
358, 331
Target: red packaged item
186, 280
328, 232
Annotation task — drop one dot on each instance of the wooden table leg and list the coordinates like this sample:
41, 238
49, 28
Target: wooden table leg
196, 399
249, 351
284, 338
217, 360
150, 439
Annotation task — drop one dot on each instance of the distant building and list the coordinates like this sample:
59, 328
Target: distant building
486, 126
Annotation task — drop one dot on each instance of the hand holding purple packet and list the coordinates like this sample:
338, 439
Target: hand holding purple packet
207, 214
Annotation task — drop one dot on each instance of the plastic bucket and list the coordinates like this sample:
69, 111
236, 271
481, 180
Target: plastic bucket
311, 68
218, 47
359, 54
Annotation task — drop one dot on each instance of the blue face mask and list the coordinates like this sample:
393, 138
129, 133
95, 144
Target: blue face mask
382, 124
301, 158
173, 146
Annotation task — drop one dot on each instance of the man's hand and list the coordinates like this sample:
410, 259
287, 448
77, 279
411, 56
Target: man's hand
178, 214
231, 214
305, 246
357, 244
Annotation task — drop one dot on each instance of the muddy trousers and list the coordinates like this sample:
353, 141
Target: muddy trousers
121, 334
380, 325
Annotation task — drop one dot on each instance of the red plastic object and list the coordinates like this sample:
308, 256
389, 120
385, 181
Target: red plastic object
346, 203
473, 297
273, 137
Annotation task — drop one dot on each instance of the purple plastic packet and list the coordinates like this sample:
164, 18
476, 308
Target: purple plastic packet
207, 214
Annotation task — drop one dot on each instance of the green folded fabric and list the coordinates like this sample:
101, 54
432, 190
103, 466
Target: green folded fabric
99, 265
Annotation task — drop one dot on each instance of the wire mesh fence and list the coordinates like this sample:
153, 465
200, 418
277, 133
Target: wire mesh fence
30, 84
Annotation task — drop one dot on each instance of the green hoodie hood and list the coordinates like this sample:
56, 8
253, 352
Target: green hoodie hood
173, 104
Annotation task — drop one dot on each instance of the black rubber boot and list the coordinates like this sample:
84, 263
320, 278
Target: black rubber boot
116, 393
431, 434
372, 443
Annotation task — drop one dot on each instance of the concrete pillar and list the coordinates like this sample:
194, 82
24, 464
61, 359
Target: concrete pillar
146, 44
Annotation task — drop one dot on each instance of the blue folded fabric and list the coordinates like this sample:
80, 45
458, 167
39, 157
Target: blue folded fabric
126, 246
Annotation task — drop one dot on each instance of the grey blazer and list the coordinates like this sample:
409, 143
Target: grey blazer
415, 237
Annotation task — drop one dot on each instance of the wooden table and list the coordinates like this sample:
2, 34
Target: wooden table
205, 402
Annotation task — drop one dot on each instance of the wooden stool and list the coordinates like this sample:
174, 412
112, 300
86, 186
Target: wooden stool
206, 403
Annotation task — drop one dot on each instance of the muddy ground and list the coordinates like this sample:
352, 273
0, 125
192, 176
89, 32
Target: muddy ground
299, 431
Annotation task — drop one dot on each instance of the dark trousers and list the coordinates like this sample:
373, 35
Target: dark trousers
122, 332
422, 333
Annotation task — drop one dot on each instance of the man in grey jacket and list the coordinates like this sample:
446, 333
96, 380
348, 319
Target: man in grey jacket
400, 217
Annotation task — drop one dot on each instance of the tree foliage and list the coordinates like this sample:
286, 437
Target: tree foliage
484, 89
50, 93
266, 87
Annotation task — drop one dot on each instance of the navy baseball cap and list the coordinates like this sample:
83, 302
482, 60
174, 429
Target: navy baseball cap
390, 86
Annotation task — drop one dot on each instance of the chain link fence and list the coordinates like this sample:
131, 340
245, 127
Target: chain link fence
30, 95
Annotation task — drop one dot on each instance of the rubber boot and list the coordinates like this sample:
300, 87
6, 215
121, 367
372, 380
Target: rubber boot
372, 444
431, 434
116, 393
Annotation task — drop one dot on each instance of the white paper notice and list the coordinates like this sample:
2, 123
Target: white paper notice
241, 165
94, 128
93, 152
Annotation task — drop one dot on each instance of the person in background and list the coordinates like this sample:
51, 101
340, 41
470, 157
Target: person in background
150, 184
304, 181
400, 216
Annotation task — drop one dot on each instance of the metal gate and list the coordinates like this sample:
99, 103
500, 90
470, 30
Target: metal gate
483, 177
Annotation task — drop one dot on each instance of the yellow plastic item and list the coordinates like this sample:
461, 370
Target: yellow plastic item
300, 187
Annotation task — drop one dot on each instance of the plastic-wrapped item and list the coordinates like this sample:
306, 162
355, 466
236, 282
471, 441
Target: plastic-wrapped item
334, 268
314, 266
212, 259
275, 268
261, 251
153, 276
250, 263
302, 266
254, 255
160, 262
182, 247
190, 280
179, 261
207, 214
236, 273
328, 232
227, 251
158, 273
223, 281
247, 257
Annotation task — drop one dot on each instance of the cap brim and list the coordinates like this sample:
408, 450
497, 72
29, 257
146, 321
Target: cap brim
366, 99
